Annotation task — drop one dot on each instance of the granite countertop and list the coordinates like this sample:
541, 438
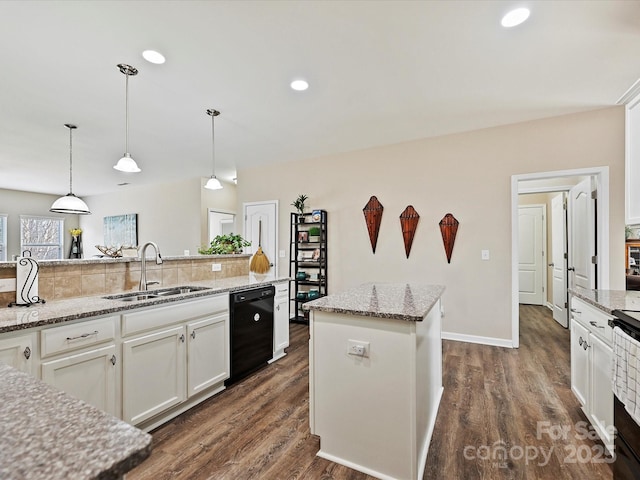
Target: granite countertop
609, 300
400, 301
46, 434
57, 311
98, 260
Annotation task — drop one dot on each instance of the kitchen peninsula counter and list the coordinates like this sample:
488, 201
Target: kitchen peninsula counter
46, 434
58, 311
375, 376
609, 300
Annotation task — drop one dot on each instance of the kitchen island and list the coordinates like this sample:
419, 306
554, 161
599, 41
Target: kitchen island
375, 376
49, 435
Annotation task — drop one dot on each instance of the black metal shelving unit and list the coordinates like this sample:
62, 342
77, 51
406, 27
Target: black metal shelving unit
309, 258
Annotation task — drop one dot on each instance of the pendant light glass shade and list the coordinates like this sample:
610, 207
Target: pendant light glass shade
213, 183
126, 163
70, 203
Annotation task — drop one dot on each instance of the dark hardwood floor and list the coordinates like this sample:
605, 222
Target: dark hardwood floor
505, 414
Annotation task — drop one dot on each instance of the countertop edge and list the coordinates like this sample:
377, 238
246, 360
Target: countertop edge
102, 306
435, 294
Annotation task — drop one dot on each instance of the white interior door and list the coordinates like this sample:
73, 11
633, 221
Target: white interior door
559, 259
261, 229
531, 269
582, 235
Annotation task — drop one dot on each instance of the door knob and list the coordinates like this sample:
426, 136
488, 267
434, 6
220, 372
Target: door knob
551, 264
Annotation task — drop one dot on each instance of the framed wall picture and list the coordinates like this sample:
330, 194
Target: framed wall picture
121, 230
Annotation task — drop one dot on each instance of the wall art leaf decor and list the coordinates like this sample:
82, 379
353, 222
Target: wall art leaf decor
373, 216
448, 229
409, 222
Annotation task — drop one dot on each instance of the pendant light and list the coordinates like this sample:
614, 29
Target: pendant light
213, 183
126, 163
70, 203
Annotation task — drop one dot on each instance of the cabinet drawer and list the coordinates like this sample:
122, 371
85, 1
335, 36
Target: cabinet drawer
79, 335
156, 317
282, 290
595, 320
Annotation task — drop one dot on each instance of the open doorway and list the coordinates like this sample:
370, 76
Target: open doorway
583, 268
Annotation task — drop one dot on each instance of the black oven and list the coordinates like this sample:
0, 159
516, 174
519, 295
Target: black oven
627, 442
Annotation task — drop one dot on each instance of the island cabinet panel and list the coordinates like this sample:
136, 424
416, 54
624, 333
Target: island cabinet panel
280, 321
154, 374
375, 413
90, 376
207, 352
17, 352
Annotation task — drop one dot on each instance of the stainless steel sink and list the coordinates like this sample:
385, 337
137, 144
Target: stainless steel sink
150, 294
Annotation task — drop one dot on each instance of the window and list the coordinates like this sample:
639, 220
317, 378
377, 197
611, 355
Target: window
42, 236
3, 238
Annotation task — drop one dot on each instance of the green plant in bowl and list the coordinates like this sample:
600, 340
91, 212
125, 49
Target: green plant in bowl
224, 245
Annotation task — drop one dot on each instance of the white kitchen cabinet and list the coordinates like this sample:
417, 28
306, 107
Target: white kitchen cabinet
90, 376
579, 362
591, 356
280, 321
154, 373
17, 351
174, 356
207, 352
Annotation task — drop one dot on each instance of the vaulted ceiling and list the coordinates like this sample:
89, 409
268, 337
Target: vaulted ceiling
380, 72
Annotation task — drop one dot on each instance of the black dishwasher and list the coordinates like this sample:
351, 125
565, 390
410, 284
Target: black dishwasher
251, 322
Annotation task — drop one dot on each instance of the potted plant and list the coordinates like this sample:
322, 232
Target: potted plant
299, 204
314, 234
224, 245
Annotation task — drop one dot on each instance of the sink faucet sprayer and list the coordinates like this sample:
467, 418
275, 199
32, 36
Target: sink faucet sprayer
143, 266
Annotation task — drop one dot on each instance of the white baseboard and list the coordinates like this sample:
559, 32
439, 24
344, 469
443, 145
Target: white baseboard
461, 337
550, 306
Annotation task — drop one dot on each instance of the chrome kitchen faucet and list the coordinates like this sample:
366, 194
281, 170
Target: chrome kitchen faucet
143, 266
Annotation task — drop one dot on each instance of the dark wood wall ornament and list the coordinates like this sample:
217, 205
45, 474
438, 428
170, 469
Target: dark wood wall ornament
373, 216
409, 223
448, 229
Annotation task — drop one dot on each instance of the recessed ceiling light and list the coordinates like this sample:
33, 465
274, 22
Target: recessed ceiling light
299, 85
153, 57
515, 17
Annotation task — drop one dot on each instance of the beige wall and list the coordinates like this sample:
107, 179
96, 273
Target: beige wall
15, 203
467, 174
174, 215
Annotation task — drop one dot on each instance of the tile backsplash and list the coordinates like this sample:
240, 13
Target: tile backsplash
88, 279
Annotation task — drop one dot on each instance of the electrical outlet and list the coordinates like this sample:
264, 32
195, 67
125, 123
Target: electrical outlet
7, 284
216, 267
358, 348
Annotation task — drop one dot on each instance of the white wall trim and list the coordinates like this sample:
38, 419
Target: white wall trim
632, 92
461, 337
558, 188
601, 175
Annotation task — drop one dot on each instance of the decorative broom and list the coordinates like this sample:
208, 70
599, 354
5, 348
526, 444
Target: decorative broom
259, 262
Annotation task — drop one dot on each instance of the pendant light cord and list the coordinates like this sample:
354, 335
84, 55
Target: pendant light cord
126, 113
213, 113
71, 128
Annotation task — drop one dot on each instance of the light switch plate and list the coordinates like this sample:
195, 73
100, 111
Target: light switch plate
485, 255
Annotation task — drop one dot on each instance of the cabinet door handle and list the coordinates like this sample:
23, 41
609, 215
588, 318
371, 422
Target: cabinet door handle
27, 353
573, 310
580, 341
84, 335
595, 324
182, 338
585, 345
571, 269
113, 360
193, 334
278, 307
